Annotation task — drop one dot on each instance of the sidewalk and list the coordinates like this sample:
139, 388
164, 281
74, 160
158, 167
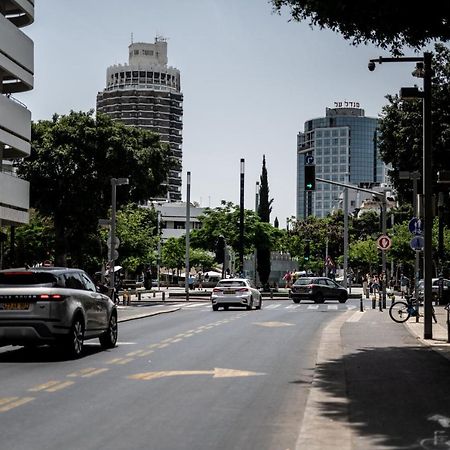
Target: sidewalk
379, 385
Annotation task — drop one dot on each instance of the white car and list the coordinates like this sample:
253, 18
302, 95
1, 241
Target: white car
239, 292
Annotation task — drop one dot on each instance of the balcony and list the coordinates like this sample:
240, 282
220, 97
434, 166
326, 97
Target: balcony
14, 199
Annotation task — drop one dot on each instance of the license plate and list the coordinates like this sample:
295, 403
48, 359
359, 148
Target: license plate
230, 292
14, 306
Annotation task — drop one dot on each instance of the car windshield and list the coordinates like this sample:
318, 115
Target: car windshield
231, 283
26, 278
304, 281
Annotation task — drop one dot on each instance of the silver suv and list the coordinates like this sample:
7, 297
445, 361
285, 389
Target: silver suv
54, 305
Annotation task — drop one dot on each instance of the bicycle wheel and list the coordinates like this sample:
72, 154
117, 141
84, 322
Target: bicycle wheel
399, 312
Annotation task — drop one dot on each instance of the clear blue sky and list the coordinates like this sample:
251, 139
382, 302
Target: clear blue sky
250, 80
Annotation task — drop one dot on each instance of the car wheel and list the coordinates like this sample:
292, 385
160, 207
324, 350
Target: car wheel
260, 303
250, 305
342, 298
109, 338
215, 307
318, 298
75, 339
296, 300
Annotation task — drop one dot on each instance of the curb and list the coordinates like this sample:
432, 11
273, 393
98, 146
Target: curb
333, 433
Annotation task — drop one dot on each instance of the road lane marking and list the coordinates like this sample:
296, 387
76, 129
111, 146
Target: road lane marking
60, 386
273, 306
216, 373
356, 317
140, 353
313, 307
274, 324
333, 307
44, 386
194, 305
13, 402
120, 360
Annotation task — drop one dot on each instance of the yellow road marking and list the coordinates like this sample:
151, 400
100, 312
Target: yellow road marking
60, 386
120, 360
94, 372
42, 387
7, 400
176, 340
140, 353
81, 372
216, 373
14, 402
189, 335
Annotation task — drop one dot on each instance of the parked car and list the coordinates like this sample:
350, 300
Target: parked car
54, 305
235, 292
434, 288
318, 289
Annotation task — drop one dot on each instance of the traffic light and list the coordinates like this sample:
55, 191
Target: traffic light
307, 252
220, 249
310, 178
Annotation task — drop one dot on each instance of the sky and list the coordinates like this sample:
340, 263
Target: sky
250, 80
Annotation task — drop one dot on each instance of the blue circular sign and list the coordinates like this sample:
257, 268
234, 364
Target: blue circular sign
415, 226
416, 243
309, 159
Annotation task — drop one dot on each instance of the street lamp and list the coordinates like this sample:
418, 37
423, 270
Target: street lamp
187, 226
241, 219
423, 70
113, 254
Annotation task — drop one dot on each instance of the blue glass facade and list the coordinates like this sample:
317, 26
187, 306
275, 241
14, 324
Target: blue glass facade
343, 145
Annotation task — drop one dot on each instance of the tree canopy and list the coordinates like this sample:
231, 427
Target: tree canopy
389, 25
72, 161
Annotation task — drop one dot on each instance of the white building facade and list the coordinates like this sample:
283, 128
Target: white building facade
146, 93
16, 75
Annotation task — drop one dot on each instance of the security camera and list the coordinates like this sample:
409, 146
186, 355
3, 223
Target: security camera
371, 66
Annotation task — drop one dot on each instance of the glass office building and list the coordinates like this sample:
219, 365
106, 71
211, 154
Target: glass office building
342, 145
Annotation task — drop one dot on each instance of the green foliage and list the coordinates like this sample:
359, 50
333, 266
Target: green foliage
401, 136
364, 255
72, 161
173, 253
136, 230
34, 242
265, 205
387, 24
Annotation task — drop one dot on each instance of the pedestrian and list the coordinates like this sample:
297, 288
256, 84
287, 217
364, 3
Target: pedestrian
376, 286
404, 283
287, 278
365, 285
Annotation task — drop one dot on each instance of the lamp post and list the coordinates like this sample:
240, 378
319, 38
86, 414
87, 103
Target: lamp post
113, 254
423, 70
241, 219
188, 222
158, 261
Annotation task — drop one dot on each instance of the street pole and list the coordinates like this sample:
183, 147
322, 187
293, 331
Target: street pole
112, 256
187, 227
158, 262
417, 213
255, 256
428, 196
345, 237
241, 219
383, 252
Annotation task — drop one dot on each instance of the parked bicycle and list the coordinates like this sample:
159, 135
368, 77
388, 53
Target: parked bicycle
401, 310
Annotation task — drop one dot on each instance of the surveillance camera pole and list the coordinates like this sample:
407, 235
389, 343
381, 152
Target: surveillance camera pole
425, 72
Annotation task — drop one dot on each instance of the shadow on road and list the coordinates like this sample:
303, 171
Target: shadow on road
398, 397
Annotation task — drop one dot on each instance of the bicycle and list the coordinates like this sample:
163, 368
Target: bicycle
401, 310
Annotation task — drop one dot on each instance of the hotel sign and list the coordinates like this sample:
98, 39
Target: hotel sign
346, 104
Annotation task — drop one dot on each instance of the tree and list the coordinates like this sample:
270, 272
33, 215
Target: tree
265, 205
401, 137
389, 25
72, 161
262, 243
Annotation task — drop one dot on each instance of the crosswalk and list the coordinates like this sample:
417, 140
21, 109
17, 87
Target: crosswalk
284, 305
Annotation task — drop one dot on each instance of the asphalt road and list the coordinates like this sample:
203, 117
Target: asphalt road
193, 379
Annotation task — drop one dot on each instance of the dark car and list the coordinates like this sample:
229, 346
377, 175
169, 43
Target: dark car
434, 288
318, 289
54, 305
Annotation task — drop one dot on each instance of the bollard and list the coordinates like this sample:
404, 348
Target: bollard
154, 294
361, 304
163, 296
373, 302
271, 294
139, 295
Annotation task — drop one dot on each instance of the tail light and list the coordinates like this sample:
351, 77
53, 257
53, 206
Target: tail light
242, 290
50, 297
217, 290
310, 286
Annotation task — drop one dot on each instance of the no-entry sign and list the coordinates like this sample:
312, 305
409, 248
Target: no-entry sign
384, 242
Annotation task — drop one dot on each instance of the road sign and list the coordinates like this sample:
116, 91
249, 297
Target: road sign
309, 159
415, 226
116, 242
384, 242
416, 243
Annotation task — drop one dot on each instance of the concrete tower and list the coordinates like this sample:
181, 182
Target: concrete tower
146, 93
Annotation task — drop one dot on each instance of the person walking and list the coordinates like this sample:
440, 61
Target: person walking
365, 285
